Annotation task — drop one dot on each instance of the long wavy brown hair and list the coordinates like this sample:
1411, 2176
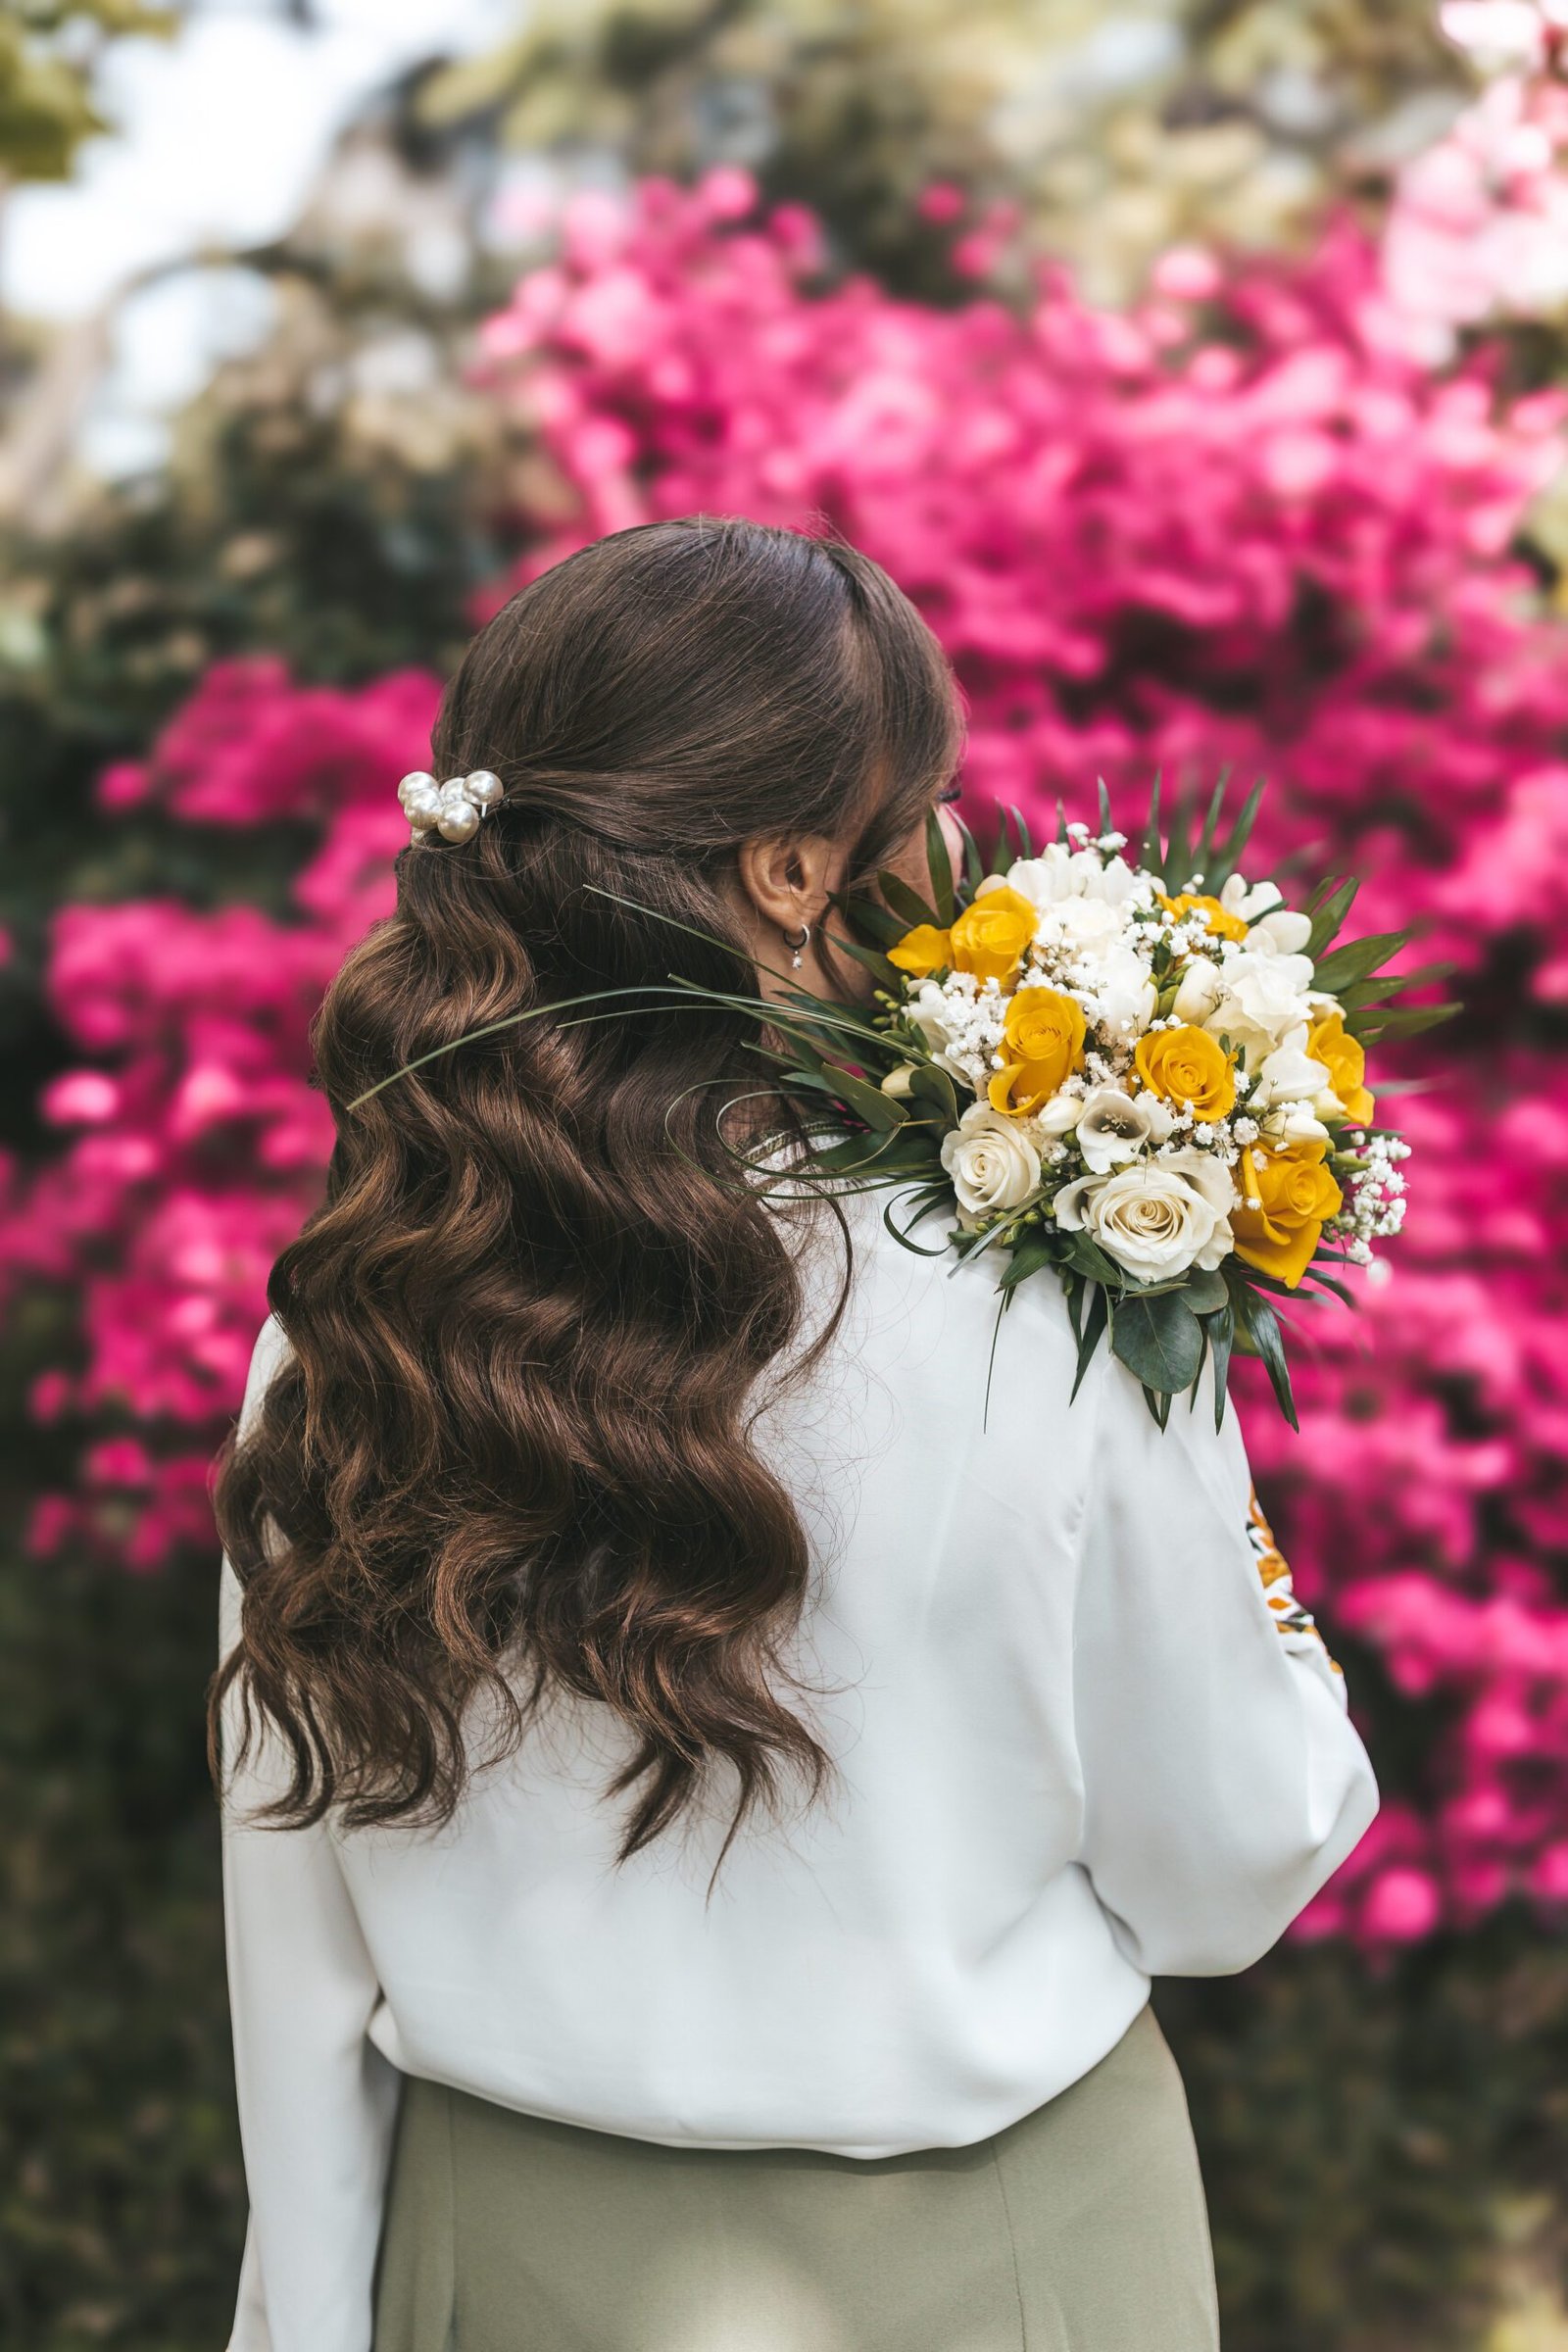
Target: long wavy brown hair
526, 1325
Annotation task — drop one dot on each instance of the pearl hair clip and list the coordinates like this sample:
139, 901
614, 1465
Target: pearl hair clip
452, 808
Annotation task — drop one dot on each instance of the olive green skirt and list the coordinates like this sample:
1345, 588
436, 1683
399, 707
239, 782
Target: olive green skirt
1082, 2228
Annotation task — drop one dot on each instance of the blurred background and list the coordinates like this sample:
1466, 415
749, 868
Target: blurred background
1200, 367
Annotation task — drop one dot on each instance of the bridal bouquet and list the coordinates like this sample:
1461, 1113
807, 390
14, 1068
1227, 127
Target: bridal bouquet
1143, 1076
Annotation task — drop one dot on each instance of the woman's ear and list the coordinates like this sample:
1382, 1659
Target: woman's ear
790, 877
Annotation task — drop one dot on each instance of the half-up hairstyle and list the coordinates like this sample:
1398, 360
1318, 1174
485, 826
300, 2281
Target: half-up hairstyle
526, 1325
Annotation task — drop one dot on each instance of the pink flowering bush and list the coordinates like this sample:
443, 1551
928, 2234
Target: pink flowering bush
195, 1141
1244, 522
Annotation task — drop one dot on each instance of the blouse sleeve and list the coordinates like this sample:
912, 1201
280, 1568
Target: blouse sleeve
318, 2102
1224, 1782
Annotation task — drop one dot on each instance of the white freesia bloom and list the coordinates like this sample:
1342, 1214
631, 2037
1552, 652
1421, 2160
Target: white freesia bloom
1238, 896
1264, 998
1125, 997
1091, 925
1114, 1128
1201, 991
1283, 931
935, 1018
1149, 1218
992, 1165
1059, 873
1289, 1074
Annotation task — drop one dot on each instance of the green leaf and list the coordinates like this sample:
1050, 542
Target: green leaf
1328, 916
1205, 840
1381, 985
1204, 1292
1178, 864
875, 963
1228, 855
907, 902
931, 1085
1032, 1255
1158, 1340
1104, 805
939, 865
869, 1102
1221, 1333
1090, 1335
1061, 826
975, 873
1083, 1252
1026, 847
1270, 1343
1359, 957
926, 1204
1151, 853
876, 923
1407, 1020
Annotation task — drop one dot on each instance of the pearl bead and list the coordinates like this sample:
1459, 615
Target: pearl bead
482, 788
419, 781
423, 805
459, 822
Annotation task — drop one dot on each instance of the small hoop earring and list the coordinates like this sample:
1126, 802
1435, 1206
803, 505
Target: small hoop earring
797, 946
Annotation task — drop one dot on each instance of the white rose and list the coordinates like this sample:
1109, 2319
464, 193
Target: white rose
1200, 990
1114, 1128
1150, 1219
1209, 1176
992, 1165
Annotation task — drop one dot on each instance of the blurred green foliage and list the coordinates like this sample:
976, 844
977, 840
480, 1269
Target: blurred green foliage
1118, 131
49, 52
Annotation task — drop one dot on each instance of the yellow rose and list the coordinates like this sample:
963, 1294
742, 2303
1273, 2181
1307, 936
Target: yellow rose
1188, 1065
1284, 1205
1043, 1038
991, 935
1220, 920
924, 950
1345, 1062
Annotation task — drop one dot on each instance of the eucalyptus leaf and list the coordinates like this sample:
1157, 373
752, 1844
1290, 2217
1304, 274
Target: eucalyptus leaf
1158, 1339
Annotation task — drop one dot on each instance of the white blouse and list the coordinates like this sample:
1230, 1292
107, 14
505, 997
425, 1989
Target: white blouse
1085, 1736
